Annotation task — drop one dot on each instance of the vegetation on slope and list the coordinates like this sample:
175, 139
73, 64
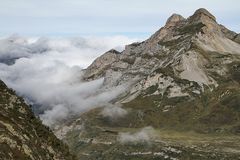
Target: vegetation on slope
22, 135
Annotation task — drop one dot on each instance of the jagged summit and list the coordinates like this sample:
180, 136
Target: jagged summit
201, 14
178, 25
178, 38
102, 63
172, 20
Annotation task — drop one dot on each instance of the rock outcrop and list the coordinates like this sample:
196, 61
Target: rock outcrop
237, 38
202, 15
101, 64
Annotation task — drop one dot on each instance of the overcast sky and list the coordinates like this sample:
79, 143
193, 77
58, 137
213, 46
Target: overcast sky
136, 18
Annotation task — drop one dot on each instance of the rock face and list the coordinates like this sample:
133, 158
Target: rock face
201, 15
185, 46
184, 78
22, 135
102, 63
175, 18
237, 38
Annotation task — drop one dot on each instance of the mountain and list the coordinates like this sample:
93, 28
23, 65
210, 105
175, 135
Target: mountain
22, 135
182, 99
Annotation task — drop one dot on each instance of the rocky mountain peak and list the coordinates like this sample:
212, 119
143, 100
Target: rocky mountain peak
202, 15
172, 20
177, 38
192, 24
185, 77
102, 63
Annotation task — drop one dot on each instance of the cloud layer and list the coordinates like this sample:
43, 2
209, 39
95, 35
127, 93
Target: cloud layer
47, 72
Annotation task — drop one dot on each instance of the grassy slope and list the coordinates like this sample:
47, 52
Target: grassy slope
204, 127
22, 135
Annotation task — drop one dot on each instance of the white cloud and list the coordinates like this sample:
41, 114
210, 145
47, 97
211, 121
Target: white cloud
48, 73
71, 51
113, 111
145, 135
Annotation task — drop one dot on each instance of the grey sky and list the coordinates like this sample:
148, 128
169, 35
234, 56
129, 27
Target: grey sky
105, 17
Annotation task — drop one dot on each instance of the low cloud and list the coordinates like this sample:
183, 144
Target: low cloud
47, 72
145, 135
113, 111
71, 51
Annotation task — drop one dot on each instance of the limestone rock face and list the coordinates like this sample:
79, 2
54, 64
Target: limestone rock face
202, 15
237, 38
229, 34
101, 63
178, 46
173, 20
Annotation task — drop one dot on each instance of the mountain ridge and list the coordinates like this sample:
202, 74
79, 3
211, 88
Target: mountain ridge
184, 78
171, 33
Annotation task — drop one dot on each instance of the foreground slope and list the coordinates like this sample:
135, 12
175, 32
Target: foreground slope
22, 135
184, 81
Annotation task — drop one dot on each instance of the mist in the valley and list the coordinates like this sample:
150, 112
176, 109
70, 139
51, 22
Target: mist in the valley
47, 73
113, 111
144, 135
